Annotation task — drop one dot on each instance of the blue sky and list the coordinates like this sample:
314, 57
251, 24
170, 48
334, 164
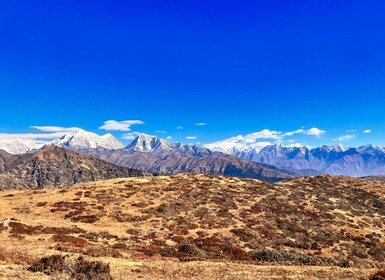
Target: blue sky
240, 67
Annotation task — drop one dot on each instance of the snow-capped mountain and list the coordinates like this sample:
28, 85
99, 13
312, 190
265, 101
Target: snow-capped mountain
233, 147
333, 159
334, 148
147, 143
151, 144
87, 140
371, 149
17, 146
160, 156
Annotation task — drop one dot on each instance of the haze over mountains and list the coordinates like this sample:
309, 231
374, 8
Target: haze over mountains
271, 162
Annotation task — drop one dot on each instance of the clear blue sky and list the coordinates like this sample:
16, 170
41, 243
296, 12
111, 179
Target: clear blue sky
239, 66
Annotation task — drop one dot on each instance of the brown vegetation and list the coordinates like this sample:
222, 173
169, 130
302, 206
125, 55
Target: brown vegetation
78, 269
316, 221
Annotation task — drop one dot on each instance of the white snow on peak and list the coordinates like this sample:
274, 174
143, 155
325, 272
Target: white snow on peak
17, 146
237, 145
371, 148
228, 147
335, 148
87, 140
148, 143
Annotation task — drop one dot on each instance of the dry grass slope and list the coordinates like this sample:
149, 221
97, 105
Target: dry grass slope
200, 227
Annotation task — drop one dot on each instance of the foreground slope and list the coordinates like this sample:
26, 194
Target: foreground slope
55, 166
318, 221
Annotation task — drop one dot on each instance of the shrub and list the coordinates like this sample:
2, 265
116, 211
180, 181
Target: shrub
90, 219
19, 228
379, 275
70, 240
267, 255
49, 265
378, 253
15, 256
102, 251
41, 204
79, 269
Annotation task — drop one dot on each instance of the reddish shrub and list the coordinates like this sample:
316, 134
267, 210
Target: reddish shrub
70, 240
41, 204
19, 228
78, 269
90, 219
379, 275
15, 256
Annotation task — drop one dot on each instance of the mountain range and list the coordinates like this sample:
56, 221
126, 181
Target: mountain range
333, 160
89, 140
18, 146
159, 156
272, 162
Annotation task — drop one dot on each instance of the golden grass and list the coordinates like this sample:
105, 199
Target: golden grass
36, 219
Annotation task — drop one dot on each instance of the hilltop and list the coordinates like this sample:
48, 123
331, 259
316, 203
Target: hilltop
54, 166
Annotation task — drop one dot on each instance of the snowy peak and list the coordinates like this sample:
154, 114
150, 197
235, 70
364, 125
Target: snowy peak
147, 143
333, 159
88, 140
371, 149
335, 148
249, 151
17, 146
273, 148
160, 147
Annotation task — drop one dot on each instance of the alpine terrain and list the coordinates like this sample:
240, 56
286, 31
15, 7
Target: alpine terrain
195, 226
334, 159
54, 166
17, 146
155, 155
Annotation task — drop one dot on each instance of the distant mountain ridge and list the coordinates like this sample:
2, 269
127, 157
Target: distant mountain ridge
17, 146
333, 159
155, 155
85, 139
157, 146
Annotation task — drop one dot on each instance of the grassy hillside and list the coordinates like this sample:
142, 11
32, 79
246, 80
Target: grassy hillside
201, 226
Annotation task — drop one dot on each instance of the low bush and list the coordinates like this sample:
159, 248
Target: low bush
15, 256
68, 239
89, 219
379, 275
79, 269
267, 255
